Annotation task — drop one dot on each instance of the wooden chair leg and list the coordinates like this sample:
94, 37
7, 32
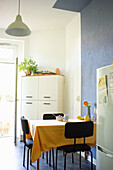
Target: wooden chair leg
24, 156
80, 159
56, 157
65, 161
86, 153
28, 159
72, 157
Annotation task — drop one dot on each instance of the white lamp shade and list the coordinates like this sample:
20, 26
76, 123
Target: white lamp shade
18, 28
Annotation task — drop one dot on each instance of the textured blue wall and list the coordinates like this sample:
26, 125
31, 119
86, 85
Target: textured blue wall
97, 45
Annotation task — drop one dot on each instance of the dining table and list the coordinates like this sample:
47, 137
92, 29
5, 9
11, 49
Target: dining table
48, 134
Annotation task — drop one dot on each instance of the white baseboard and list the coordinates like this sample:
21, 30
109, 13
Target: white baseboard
89, 158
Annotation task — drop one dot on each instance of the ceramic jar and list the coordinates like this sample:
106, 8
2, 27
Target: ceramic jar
58, 71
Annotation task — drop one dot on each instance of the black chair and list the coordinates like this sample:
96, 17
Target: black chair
77, 130
27, 142
50, 116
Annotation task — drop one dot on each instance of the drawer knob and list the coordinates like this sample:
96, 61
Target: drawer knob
28, 96
47, 97
28, 102
46, 103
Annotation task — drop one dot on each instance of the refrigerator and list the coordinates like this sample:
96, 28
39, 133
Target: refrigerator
104, 146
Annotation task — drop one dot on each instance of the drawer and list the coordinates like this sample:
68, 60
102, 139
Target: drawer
30, 109
29, 88
47, 106
48, 88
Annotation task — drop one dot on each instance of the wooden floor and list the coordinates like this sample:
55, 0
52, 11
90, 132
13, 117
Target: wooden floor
11, 157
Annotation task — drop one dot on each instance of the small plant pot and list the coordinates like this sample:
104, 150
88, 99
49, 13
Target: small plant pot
27, 73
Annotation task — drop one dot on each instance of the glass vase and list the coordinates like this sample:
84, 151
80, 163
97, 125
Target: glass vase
88, 111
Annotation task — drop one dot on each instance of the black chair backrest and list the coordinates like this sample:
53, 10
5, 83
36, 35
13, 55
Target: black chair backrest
22, 117
79, 129
25, 127
48, 116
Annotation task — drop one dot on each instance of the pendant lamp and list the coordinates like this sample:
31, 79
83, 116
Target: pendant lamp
18, 28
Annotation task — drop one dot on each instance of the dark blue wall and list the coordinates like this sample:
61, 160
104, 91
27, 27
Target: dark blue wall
97, 45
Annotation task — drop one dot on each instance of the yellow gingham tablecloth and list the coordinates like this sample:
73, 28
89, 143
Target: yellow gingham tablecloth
48, 134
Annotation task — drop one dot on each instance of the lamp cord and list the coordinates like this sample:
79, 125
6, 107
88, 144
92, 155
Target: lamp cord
19, 8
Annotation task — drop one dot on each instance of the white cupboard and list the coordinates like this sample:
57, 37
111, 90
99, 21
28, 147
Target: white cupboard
29, 88
29, 109
41, 94
48, 88
48, 107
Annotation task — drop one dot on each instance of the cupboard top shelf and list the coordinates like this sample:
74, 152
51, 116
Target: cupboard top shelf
43, 75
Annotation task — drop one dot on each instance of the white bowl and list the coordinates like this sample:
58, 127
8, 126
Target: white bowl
59, 118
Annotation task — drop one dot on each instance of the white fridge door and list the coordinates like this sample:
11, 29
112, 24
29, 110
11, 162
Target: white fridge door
105, 114
103, 162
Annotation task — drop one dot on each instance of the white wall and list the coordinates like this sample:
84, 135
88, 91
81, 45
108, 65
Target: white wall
47, 47
73, 68
58, 47
61, 47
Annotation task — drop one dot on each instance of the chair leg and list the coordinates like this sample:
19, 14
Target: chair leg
50, 158
91, 160
47, 157
72, 157
65, 161
27, 159
24, 156
53, 157
56, 157
30, 156
42, 155
80, 159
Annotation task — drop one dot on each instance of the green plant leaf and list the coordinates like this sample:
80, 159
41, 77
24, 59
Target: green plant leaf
28, 65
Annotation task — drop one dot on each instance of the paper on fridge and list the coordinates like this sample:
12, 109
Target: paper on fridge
102, 89
111, 87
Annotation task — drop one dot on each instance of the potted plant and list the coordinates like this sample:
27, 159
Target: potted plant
0, 97
28, 66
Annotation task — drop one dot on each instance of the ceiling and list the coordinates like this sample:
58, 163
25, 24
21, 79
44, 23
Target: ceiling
72, 5
37, 14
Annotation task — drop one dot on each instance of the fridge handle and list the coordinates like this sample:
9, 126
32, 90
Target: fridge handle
105, 152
